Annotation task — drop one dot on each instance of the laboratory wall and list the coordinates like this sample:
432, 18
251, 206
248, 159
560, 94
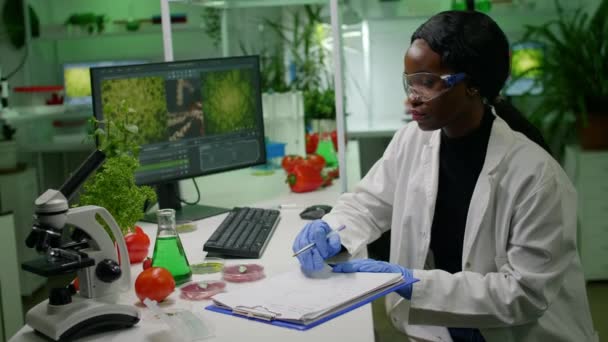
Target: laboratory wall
374, 49
58, 45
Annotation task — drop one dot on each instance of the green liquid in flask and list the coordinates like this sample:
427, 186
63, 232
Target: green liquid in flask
326, 150
169, 254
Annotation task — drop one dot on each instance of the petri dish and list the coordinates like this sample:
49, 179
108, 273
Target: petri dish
243, 273
199, 290
210, 265
185, 228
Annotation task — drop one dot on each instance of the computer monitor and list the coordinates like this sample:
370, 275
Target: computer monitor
195, 118
526, 61
77, 79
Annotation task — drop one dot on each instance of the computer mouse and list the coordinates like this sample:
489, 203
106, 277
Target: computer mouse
315, 212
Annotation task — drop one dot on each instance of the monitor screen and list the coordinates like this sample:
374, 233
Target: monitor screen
77, 79
194, 117
526, 60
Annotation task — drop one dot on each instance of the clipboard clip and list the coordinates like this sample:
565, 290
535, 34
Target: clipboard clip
257, 311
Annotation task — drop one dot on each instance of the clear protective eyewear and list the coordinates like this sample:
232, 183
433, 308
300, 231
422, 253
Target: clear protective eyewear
426, 86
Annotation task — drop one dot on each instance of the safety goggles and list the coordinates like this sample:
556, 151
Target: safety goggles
426, 86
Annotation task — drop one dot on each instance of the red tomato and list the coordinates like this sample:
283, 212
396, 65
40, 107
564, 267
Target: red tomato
138, 230
137, 245
155, 283
317, 161
147, 263
289, 161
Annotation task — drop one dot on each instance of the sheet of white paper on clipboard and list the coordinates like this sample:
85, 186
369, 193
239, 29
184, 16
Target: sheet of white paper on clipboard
294, 297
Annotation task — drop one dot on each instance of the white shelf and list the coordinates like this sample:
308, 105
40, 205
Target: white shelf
248, 3
59, 32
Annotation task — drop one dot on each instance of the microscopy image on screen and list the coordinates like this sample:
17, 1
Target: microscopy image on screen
228, 101
185, 111
144, 100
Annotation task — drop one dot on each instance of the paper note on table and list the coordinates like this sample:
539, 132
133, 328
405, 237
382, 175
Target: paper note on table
293, 296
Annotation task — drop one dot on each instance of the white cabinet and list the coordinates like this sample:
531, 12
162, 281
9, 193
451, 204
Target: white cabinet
589, 173
11, 314
18, 191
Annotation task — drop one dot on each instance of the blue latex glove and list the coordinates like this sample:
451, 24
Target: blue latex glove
375, 266
314, 259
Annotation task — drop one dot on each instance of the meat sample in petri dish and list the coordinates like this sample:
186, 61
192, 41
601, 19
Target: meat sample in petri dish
243, 273
199, 290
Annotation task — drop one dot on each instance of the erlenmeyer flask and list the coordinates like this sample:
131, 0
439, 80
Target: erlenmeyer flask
168, 250
326, 150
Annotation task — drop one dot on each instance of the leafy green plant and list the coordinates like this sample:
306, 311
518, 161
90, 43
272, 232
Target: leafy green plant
321, 103
213, 24
113, 185
573, 73
272, 67
304, 41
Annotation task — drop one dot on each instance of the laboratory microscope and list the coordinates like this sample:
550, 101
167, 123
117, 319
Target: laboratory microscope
72, 240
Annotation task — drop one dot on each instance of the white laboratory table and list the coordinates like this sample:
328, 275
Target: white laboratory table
261, 191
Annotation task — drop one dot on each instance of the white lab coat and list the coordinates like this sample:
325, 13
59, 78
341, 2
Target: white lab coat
521, 278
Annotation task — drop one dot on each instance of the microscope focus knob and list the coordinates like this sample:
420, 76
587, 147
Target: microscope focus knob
108, 270
60, 296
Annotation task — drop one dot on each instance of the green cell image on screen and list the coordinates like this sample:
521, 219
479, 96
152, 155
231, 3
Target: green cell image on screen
525, 61
77, 82
145, 96
228, 101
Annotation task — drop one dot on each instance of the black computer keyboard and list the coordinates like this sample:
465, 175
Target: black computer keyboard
245, 232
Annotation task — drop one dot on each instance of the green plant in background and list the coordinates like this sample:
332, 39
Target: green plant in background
304, 41
90, 22
213, 24
573, 72
320, 102
146, 97
228, 101
272, 67
113, 185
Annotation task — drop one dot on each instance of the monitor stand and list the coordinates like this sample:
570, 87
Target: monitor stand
168, 197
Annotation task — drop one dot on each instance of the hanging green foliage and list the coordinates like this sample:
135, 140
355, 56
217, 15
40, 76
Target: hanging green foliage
14, 22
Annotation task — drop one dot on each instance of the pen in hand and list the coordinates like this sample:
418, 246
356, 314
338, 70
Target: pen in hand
311, 245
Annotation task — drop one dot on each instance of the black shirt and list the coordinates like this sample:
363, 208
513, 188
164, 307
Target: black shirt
460, 162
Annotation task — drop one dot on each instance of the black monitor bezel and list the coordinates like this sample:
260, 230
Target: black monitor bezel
254, 59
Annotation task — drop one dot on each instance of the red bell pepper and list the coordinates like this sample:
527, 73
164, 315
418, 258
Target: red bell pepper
334, 139
317, 161
312, 141
289, 161
304, 178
